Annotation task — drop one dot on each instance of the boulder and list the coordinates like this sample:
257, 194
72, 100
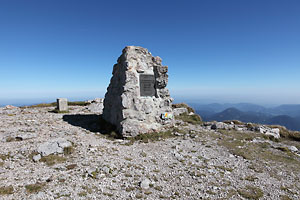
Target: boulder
145, 184
220, 125
275, 132
179, 111
293, 148
53, 147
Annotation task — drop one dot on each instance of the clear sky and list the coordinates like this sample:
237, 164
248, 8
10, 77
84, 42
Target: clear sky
216, 50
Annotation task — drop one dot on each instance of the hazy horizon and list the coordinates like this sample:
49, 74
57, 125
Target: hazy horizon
177, 99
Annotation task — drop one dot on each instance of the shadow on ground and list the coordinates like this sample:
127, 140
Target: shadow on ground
88, 122
93, 123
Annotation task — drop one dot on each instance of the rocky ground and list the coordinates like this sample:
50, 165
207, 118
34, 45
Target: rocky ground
46, 155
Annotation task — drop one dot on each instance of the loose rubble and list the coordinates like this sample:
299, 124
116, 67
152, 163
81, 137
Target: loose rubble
211, 160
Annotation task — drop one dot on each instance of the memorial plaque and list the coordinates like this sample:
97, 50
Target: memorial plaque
147, 85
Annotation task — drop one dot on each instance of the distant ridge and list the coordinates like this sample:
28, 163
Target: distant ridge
287, 115
260, 118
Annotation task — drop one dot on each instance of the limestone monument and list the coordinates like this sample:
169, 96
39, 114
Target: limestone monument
62, 104
137, 100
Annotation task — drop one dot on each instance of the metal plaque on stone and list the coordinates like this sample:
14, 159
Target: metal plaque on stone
147, 85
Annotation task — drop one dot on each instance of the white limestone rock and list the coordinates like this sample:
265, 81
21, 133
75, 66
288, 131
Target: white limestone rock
220, 125
293, 148
145, 184
275, 132
53, 147
36, 158
178, 111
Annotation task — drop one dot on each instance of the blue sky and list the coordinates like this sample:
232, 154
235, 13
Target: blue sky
216, 50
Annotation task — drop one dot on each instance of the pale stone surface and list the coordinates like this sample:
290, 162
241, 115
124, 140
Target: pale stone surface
62, 104
96, 106
178, 111
275, 132
185, 164
293, 148
124, 107
37, 157
145, 184
53, 146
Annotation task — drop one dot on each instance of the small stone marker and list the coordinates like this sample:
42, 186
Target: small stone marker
62, 104
137, 100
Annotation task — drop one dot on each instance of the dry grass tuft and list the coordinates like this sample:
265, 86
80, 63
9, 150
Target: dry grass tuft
251, 192
69, 150
34, 188
238, 144
285, 133
52, 159
151, 137
54, 104
6, 190
191, 119
236, 122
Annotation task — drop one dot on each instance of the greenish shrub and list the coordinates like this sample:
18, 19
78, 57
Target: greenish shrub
34, 188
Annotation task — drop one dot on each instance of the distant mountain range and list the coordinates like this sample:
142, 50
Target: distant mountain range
285, 115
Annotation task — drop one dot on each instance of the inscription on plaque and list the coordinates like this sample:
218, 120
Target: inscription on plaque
147, 85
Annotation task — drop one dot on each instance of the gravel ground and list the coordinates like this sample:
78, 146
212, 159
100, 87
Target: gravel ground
196, 163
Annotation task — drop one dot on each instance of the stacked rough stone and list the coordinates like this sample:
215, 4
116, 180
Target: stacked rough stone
124, 107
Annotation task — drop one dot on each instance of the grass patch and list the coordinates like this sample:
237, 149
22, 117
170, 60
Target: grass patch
52, 159
34, 188
108, 194
285, 197
10, 139
71, 166
69, 150
57, 111
5, 156
143, 154
191, 119
138, 196
256, 168
237, 144
251, 192
78, 103
158, 188
284, 149
183, 105
42, 105
251, 178
6, 190
155, 136
224, 168
285, 133
236, 122
82, 194
54, 104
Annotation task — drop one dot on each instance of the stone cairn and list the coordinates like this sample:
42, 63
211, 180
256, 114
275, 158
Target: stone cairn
137, 100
